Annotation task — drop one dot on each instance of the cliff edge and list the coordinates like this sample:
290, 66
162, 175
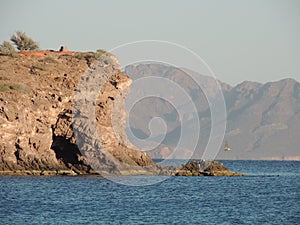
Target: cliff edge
36, 115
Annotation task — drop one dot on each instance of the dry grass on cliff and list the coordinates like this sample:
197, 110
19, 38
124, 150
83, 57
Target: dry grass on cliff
25, 73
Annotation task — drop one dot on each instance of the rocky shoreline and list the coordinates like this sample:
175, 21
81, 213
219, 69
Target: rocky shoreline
193, 168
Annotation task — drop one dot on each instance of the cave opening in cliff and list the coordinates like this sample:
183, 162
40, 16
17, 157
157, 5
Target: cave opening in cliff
65, 148
65, 151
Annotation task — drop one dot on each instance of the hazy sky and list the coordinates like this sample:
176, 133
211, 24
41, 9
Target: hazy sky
256, 40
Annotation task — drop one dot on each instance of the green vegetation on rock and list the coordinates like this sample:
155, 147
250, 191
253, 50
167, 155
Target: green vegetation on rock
92, 56
49, 59
16, 87
23, 42
39, 66
8, 49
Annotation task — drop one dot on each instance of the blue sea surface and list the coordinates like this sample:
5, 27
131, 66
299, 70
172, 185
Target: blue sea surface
268, 195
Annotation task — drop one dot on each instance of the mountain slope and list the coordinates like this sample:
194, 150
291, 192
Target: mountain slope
263, 120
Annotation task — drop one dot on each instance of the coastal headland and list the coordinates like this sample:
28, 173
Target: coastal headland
37, 91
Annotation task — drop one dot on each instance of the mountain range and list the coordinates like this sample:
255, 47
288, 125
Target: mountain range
263, 119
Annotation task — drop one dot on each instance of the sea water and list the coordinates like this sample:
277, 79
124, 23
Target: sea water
269, 194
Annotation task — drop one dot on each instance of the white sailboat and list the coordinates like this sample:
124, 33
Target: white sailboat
226, 147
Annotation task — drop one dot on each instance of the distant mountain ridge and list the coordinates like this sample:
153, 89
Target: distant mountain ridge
263, 120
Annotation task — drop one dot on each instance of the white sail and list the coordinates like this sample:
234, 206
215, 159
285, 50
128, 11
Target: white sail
226, 147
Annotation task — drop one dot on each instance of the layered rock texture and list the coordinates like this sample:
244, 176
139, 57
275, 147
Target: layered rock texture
37, 95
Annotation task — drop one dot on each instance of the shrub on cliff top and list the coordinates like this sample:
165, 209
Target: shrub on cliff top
7, 49
100, 53
90, 56
23, 42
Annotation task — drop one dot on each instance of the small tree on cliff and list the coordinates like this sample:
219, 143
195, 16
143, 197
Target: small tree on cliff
23, 42
7, 49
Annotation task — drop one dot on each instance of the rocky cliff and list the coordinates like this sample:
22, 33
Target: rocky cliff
37, 115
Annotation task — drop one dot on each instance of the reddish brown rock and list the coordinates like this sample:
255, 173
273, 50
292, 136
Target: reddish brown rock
36, 114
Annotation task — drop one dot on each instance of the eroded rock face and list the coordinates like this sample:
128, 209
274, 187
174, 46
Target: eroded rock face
36, 116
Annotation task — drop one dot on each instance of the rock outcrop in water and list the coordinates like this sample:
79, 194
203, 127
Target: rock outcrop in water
205, 168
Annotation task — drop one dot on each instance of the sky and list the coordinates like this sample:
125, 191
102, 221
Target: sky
256, 40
